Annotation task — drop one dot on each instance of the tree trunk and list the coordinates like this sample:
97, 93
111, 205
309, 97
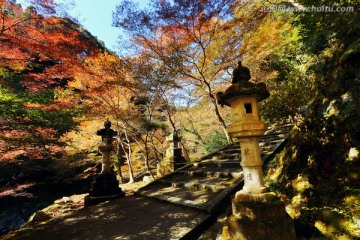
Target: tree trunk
148, 167
221, 120
146, 158
131, 170
126, 147
128, 159
185, 151
119, 158
217, 112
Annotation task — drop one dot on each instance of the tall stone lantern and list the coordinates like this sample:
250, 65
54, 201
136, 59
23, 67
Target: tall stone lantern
256, 213
105, 187
243, 97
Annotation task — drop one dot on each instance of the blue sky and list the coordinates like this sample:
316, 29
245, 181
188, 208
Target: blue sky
96, 17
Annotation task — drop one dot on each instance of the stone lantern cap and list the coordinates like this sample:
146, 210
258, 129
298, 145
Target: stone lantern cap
175, 136
242, 87
106, 133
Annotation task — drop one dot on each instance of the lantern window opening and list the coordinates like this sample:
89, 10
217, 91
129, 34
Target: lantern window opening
248, 108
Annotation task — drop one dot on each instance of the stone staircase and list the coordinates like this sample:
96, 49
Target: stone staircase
207, 184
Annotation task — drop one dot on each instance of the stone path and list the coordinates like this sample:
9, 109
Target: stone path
131, 217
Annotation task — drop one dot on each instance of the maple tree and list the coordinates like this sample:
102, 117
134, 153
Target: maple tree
160, 102
179, 36
200, 42
109, 89
106, 92
44, 49
37, 57
283, 63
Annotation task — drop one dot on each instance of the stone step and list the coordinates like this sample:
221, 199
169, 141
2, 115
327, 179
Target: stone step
176, 198
192, 185
209, 182
224, 173
235, 169
226, 156
267, 148
181, 179
230, 151
270, 139
225, 163
201, 199
233, 146
273, 135
264, 144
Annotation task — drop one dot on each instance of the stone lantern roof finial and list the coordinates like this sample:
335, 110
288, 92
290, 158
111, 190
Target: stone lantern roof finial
107, 124
241, 74
107, 133
241, 86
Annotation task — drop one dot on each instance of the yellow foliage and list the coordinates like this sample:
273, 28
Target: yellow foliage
270, 35
294, 208
347, 231
352, 199
85, 138
301, 183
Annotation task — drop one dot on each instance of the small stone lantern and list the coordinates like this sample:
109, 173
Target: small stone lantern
256, 213
173, 159
105, 186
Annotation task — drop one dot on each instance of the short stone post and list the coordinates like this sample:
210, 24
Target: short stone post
256, 214
105, 186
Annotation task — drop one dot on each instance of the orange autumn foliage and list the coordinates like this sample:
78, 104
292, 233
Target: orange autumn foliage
39, 54
107, 86
44, 49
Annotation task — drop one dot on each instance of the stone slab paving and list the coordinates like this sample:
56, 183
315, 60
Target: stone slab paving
131, 217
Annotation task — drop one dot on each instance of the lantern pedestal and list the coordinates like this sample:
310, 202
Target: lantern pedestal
258, 216
105, 187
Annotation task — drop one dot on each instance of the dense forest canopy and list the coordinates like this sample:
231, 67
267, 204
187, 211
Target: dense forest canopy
38, 57
59, 83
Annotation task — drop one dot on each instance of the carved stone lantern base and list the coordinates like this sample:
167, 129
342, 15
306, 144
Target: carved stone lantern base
259, 216
104, 188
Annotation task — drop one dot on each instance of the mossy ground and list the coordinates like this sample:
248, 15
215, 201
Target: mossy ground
322, 198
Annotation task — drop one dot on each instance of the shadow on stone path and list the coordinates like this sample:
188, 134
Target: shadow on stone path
131, 217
